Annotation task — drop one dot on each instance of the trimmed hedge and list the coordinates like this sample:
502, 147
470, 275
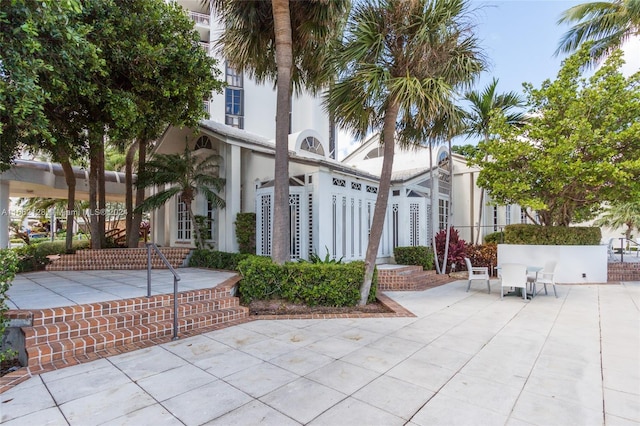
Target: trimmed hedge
246, 232
494, 238
204, 258
552, 235
33, 257
414, 255
309, 283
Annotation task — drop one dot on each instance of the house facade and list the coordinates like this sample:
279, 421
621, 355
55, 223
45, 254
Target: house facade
331, 202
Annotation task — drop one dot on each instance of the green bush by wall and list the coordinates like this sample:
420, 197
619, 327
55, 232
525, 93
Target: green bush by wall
414, 255
301, 282
8, 268
494, 238
552, 235
33, 257
246, 232
204, 258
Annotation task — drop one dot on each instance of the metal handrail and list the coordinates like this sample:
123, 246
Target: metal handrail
622, 244
176, 278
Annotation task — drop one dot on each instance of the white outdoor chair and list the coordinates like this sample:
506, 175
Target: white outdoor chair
546, 276
513, 275
477, 273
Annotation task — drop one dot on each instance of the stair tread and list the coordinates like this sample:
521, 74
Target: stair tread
56, 350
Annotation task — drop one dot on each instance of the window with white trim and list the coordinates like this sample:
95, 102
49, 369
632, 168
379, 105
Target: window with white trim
183, 221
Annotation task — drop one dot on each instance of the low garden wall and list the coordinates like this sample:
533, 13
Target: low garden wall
575, 264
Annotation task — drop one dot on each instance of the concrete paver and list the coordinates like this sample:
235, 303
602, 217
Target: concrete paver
466, 358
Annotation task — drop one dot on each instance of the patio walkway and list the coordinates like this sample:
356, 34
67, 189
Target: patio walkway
466, 358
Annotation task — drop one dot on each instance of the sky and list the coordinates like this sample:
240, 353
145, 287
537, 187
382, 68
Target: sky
519, 38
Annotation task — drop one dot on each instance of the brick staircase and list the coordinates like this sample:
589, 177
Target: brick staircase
69, 335
627, 271
409, 278
119, 258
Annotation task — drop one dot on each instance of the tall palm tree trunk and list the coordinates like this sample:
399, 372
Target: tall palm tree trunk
449, 215
128, 179
136, 220
436, 261
194, 224
284, 61
481, 205
382, 199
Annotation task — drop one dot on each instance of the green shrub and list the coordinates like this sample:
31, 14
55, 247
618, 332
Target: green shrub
33, 257
204, 258
246, 232
30, 259
301, 282
552, 235
482, 255
494, 238
47, 248
8, 269
418, 255
261, 279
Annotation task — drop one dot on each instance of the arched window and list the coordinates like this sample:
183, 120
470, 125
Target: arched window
374, 153
203, 142
443, 159
313, 145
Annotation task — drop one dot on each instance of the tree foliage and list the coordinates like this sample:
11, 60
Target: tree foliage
46, 65
286, 42
607, 23
621, 214
579, 149
401, 63
185, 175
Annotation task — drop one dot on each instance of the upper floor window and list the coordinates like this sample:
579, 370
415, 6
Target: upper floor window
313, 145
234, 98
234, 78
233, 101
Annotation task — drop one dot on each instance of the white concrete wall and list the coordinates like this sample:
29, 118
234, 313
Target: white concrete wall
573, 261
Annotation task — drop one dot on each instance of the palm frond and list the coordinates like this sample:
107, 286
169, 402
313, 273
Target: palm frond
607, 23
158, 200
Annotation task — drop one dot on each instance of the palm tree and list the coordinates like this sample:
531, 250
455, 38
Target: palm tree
285, 42
607, 23
482, 106
618, 215
401, 63
186, 176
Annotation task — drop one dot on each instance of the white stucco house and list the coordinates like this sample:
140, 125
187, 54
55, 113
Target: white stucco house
331, 201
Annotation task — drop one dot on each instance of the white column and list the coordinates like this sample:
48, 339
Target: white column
232, 198
5, 214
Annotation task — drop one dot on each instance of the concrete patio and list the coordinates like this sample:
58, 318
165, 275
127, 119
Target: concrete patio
466, 358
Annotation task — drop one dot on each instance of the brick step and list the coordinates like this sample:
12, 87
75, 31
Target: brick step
78, 312
623, 271
102, 324
411, 278
167, 251
96, 266
48, 353
116, 259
